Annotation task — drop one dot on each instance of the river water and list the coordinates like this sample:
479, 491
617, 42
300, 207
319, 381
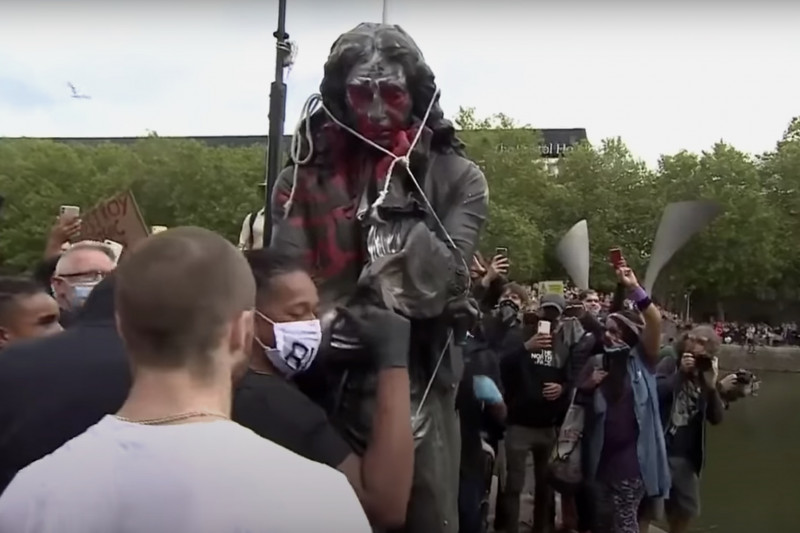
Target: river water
751, 481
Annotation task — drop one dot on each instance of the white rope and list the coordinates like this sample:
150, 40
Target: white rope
296, 146
305, 116
435, 372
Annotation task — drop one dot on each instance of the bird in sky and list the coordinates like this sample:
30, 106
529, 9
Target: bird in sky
76, 94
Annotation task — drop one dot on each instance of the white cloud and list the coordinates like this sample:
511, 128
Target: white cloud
662, 77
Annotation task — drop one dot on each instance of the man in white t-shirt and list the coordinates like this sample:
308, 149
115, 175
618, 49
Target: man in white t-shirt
171, 461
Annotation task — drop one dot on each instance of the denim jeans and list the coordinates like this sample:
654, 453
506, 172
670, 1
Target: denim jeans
471, 492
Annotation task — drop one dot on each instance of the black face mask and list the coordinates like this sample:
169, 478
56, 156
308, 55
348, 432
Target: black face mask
507, 312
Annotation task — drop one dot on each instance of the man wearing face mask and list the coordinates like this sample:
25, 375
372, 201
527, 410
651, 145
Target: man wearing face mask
78, 271
286, 343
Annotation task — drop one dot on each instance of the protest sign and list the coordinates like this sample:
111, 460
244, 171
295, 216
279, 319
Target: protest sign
117, 219
551, 287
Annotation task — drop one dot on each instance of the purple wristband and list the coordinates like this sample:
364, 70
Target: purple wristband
639, 295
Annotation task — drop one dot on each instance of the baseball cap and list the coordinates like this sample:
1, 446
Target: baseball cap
556, 301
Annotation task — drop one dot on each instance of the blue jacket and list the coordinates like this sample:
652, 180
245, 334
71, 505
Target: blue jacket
650, 448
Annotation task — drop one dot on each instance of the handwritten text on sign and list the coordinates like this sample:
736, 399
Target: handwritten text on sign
116, 219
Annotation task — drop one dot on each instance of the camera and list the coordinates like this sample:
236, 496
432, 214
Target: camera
702, 363
743, 377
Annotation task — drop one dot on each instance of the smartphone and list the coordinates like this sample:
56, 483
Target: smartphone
543, 328
157, 229
615, 257
501, 251
69, 211
115, 247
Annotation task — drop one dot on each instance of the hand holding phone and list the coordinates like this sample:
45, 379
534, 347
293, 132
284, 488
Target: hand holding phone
615, 258
69, 212
543, 328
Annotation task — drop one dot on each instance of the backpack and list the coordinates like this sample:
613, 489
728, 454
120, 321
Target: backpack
251, 223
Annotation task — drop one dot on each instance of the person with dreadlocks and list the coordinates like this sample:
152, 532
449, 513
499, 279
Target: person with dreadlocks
387, 210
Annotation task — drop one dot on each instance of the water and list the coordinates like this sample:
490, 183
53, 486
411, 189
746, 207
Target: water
751, 480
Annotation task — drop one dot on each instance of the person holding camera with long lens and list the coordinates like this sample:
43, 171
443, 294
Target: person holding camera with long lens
690, 397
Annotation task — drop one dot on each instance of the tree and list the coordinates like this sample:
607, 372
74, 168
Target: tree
511, 161
748, 251
176, 182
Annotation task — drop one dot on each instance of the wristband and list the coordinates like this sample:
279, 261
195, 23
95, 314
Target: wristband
641, 299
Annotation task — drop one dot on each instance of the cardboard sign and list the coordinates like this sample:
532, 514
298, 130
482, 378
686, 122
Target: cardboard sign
551, 287
117, 219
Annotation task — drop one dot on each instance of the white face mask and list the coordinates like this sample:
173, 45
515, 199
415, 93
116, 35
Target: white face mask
296, 345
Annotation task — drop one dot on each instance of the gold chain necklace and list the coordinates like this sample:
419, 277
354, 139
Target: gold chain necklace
173, 418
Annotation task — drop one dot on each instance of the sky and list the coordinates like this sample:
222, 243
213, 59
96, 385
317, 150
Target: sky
663, 75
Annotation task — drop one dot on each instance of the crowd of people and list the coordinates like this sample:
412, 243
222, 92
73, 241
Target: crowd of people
643, 442
353, 374
116, 398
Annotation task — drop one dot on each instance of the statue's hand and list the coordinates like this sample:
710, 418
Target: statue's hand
464, 314
384, 333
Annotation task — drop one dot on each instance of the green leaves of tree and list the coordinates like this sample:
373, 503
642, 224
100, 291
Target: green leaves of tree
176, 182
751, 249
748, 250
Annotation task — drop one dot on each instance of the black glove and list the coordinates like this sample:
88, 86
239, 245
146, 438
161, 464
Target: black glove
464, 314
384, 333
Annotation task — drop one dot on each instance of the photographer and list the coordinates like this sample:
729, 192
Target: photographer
689, 396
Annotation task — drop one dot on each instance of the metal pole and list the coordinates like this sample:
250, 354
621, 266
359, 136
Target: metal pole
385, 17
277, 110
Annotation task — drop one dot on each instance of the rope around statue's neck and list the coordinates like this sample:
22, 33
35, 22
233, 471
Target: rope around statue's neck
304, 128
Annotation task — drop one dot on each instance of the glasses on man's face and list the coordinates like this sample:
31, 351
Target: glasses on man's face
83, 277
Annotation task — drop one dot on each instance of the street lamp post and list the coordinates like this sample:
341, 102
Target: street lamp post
277, 111
385, 17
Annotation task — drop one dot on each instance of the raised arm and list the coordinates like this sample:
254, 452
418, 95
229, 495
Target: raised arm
651, 333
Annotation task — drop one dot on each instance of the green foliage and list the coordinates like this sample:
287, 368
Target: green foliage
176, 182
750, 250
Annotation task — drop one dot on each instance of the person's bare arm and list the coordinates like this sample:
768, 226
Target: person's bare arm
651, 335
382, 478
62, 231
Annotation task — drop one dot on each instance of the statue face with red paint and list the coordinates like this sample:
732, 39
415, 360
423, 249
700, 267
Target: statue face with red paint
378, 98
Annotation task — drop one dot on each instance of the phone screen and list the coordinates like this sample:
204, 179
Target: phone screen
615, 256
544, 327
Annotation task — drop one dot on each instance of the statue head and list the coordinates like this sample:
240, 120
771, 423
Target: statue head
377, 82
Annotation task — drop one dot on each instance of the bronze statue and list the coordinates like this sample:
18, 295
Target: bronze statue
381, 199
